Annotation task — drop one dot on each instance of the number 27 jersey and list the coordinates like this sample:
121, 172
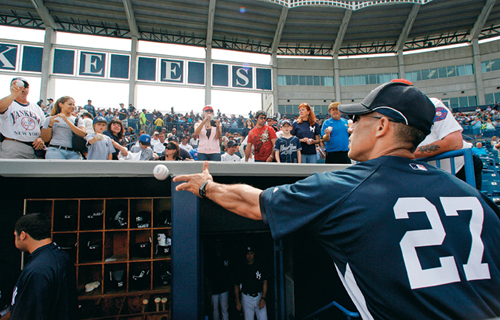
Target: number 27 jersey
409, 241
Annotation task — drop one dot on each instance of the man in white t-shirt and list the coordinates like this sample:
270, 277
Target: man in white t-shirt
185, 145
20, 123
155, 138
446, 135
231, 147
159, 147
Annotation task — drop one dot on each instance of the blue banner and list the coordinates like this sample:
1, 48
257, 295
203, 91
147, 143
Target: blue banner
64, 61
119, 66
32, 59
146, 69
220, 75
264, 79
196, 72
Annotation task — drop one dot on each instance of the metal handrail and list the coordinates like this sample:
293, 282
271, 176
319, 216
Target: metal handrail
468, 163
347, 313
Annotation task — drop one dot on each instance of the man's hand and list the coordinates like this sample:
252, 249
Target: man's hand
15, 91
38, 144
193, 182
262, 303
238, 306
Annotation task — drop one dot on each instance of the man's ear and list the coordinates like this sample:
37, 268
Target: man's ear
382, 127
23, 235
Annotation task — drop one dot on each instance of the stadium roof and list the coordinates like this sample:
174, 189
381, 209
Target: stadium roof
287, 27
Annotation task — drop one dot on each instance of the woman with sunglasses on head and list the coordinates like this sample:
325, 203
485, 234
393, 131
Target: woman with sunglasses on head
58, 130
209, 132
308, 131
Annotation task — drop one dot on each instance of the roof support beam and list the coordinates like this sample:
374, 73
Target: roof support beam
279, 30
43, 12
481, 20
407, 28
208, 53
211, 19
342, 31
129, 11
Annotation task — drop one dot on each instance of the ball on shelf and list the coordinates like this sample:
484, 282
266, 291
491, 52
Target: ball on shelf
160, 172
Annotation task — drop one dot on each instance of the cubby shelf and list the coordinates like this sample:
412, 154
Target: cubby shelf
124, 244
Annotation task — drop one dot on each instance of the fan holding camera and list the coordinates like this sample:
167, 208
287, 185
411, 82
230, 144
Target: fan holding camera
209, 131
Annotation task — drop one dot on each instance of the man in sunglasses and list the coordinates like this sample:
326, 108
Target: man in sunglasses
408, 240
20, 123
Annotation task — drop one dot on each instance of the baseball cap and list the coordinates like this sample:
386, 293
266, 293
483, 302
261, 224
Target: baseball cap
99, 119
285, 121
26, 84
156, 133
249, 249
232, 143
398, 100
50, 99
145, 139
208, 108
173, 138
122, 104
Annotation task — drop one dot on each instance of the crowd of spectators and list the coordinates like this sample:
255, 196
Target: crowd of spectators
179, 135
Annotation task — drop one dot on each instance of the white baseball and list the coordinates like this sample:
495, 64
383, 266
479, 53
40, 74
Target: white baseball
330, 128
19, 83
98, 136
160, 172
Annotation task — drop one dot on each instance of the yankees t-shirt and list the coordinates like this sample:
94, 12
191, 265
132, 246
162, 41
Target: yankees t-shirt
22, 121
305, 130
409, 241
261, 138
288, 149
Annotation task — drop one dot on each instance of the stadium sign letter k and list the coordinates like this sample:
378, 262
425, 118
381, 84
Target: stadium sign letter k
5, 61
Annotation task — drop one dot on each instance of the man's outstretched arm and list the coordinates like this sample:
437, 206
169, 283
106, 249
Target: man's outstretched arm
241, 199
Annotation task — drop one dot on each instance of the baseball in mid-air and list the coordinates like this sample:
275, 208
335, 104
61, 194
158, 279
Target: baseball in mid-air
98, 136
19, 83
160, 172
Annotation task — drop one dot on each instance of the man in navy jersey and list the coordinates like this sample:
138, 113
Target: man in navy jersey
409, 241
46, 288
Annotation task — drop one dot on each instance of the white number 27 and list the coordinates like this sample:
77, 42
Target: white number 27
447, 272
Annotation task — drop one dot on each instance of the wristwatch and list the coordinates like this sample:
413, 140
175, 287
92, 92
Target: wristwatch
202, 190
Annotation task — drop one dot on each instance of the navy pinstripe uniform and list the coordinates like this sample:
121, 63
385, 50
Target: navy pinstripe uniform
409, 241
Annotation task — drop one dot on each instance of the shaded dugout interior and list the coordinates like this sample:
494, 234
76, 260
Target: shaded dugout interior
302, 277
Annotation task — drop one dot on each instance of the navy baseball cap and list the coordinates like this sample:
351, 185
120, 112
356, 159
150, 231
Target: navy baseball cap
99, 119
249, 249
145, 139
173, 138
285, 121
232, 143
400, 101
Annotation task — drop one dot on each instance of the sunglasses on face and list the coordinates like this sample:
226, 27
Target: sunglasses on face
355, 118
209, 111
170, 147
